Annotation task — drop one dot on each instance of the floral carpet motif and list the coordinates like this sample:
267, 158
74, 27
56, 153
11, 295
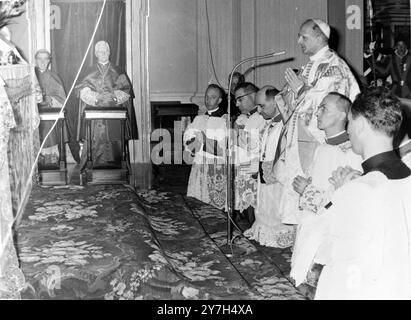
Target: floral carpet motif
108, 242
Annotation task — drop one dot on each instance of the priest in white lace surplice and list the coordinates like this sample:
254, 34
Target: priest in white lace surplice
268, 229
249, 127
205, 139
315, 190
298, 101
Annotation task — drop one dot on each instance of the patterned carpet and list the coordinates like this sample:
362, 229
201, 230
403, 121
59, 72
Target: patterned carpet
107, 242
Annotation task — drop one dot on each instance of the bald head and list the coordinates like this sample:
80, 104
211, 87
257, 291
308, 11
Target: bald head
102, 51
263, 91
265, 99
102, 45
332, 113
341, 102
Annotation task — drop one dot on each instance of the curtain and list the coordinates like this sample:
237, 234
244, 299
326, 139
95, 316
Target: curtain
69, 44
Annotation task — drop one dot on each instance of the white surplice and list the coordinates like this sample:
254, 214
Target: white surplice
368, 252
268, 229
247, 151
313, 216
207, 180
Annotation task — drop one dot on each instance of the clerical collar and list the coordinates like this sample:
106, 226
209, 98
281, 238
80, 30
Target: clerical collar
253, 111
404, 148
209, 112
271, 122
104, 64
277, 118
320, 53
338, 138
219, 112
388, 163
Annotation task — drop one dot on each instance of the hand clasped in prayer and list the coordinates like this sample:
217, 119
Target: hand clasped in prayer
294, 81
343, 175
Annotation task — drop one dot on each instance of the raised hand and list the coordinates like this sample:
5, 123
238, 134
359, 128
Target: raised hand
341, 176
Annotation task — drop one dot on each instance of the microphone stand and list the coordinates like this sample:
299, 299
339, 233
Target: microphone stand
229, 145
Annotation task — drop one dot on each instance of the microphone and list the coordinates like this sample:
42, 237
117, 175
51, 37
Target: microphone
228, 157
265, 56
280, 53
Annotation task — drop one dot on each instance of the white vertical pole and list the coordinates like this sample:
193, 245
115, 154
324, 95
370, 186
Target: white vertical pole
29, 14
47, 27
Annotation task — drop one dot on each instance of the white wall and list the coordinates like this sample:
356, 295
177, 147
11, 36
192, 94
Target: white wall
172, 47
20, 35
179, 60
278, 24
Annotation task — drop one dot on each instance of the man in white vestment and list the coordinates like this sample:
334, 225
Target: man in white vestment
268, 229
366, 251
249, 127
324, 73
205, 139
315, 190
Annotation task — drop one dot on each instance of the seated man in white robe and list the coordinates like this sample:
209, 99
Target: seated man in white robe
205, 139
268, 229
315, 190
249, 127
359, 248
